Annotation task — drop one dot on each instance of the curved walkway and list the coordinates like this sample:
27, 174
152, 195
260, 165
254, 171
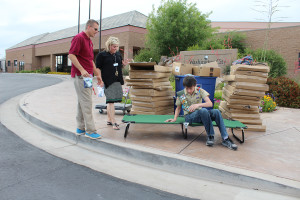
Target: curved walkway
267, 161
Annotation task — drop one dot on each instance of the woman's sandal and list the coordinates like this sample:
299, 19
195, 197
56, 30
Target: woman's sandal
116, 126
109, 124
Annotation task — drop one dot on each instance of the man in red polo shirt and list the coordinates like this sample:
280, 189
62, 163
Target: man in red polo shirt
81, 54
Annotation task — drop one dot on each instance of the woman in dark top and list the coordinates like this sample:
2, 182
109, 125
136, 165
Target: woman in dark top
110, 63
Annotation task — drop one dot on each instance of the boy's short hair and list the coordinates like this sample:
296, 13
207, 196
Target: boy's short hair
189, 81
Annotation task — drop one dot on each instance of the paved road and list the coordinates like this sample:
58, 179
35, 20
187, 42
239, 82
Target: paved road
27, 172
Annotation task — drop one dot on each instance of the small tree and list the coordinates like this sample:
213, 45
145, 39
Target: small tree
269, 8
175, 26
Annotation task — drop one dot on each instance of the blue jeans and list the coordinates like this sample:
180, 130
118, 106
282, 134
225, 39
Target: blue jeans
206, 117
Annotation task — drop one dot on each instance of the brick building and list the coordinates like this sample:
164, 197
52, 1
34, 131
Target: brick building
51, 49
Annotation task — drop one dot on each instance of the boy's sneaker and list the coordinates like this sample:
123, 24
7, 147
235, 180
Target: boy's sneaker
93, 135
229, 144
80, 132
210, 140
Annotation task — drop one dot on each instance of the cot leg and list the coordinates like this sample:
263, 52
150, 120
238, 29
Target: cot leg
238, 139
186, 124
126, 130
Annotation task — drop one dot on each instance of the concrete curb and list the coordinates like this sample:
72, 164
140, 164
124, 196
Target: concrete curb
174, 163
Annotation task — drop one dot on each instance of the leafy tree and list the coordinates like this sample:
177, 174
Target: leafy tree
175, 26
230, 40
268, 8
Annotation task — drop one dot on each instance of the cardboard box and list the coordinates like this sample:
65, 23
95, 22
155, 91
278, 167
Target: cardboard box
209, 69
159, 87
245, 78
142, 66
256, 128
151, 92
146, 80
253, 68
145, 111
250, 86
241, 101
154, 104
244, 92
239, 115
159, 68
234, 96
243, 107
147, 74
149, 84
249, 121
150, 99
224, 106
249, 73
151, 66
182, 69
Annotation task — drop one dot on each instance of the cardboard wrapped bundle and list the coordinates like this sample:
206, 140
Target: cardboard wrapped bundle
245, 86
151, 91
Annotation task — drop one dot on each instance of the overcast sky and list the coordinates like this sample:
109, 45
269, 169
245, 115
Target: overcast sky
22, 19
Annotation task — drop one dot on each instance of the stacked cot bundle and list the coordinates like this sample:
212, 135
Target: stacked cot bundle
151, 92
245, 87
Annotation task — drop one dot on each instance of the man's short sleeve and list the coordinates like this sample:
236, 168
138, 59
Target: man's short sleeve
75, 46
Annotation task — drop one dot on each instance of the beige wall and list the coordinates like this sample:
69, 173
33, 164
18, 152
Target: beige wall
45, 61
24, 54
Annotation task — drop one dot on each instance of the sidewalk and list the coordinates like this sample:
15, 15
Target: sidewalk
273, 153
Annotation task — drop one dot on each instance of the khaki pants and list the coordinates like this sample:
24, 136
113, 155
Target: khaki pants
84, 118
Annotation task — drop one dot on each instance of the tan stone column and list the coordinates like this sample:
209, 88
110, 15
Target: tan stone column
53, 62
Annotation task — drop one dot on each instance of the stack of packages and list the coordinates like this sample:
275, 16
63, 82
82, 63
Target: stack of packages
245, 86
151, 92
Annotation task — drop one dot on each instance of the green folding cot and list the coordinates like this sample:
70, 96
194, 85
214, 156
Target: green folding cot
160, 119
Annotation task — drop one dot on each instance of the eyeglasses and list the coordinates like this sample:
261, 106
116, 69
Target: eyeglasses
96, 29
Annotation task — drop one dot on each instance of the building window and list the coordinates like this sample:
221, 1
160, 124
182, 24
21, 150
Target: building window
8, 63
21, 66
59, 63
15, 63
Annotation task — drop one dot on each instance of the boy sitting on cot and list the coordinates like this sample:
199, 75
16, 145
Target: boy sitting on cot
190, 99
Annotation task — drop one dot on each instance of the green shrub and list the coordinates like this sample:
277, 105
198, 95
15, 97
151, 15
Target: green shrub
220, 86
226, 70
25, 71
218, 98
145, 55
60, 73
285, 91
125, 70
275, 61
44, 70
